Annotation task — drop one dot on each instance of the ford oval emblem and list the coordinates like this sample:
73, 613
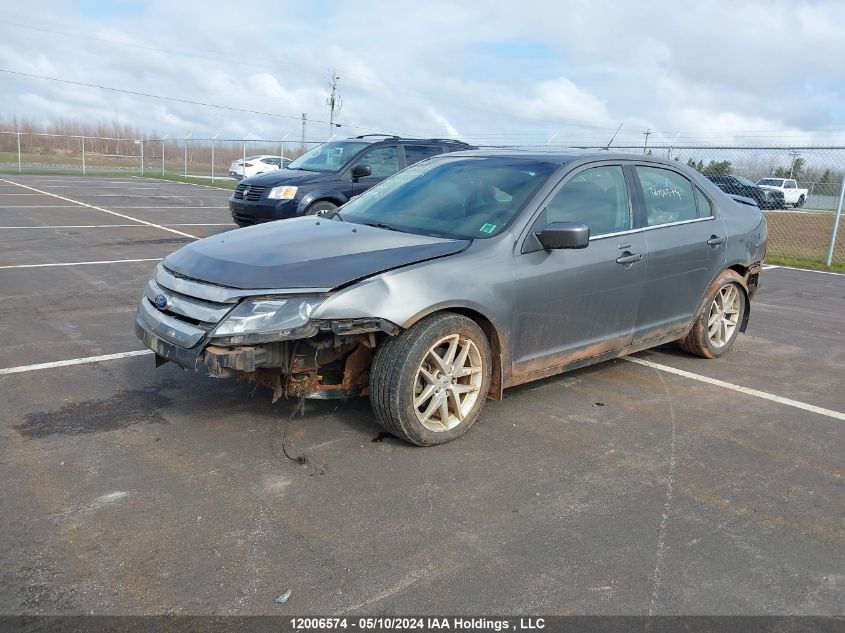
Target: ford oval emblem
161, 301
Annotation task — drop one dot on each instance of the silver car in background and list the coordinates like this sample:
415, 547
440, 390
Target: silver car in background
461, 276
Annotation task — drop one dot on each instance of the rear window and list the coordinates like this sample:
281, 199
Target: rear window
669, 197
416, 153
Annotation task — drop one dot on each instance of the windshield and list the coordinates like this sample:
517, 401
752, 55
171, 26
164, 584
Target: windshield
744, 181
328, 157
772, 182
458, 197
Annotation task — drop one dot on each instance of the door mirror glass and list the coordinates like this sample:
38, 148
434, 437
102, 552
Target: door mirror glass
361, 171
564, 235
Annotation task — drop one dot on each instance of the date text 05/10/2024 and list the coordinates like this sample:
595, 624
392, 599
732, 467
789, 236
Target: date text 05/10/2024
417, 623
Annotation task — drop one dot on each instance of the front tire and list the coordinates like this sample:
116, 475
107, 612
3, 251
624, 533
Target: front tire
429, 383
321, 207
718, 323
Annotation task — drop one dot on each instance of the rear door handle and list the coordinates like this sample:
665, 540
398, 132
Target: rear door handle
629, 258
715, 240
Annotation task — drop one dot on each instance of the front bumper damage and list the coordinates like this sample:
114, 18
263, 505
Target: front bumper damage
333, 363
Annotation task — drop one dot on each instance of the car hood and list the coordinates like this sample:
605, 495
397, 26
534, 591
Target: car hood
284, 177
304, 253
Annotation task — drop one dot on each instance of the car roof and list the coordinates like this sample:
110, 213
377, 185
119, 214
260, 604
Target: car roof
565, 155
381, 138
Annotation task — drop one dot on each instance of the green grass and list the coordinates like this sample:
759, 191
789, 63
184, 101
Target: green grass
805, 263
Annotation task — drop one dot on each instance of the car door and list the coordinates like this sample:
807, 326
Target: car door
790, 193
383, 161
575, 304
686, 244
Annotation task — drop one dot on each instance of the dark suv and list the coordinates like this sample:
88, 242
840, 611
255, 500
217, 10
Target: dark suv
739, 186
318, 182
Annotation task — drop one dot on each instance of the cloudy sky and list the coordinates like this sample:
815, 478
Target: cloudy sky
497, 72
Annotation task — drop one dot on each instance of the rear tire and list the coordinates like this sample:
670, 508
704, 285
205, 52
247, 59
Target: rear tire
321, 207
429, 383
800, 202
717, 325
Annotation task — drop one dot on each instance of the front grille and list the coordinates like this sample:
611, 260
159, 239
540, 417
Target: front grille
242, 219
252, 193
183, 304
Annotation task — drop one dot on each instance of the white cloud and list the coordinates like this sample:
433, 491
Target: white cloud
710, 68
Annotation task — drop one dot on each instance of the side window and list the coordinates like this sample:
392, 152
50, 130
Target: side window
383, 161
668, 196
790, 184
416, 153
705, 207
270, 161
596, 197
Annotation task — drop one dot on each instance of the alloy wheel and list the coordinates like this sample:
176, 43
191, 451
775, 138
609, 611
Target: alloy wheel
724, 315
448, 383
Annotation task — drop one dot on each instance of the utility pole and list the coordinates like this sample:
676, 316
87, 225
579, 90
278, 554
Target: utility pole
645, 145
334, 102
795, 154
304, 122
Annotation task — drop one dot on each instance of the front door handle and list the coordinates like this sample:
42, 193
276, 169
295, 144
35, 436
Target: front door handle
629, 258
715, 240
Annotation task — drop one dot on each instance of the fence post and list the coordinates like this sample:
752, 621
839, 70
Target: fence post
19, 153
213, 143
836, 222
243, 162
83, 156
162, 153
186, 154
141, 143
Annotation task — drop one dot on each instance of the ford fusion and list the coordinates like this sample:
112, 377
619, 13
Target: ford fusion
460, 276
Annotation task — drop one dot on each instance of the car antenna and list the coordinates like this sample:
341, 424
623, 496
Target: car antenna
610, 142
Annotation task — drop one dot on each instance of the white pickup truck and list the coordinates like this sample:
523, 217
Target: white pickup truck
791, 193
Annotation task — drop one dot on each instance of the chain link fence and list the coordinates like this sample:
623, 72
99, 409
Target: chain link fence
187, 157
806, 229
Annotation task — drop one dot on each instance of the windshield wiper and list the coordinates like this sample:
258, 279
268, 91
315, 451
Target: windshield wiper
382, 225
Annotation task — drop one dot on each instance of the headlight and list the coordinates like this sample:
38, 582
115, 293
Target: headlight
282, 193
266, 320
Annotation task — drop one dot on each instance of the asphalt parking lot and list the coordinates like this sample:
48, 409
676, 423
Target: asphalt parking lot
624, 488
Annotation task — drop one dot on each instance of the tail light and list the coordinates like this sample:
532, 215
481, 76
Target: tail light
248, 164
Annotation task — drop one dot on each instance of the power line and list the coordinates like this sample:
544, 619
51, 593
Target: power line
174, 99
293, 68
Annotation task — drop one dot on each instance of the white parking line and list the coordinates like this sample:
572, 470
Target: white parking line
39, 206
73, 361
100, 186
727, 385
810, 270
91, 206
110, 261
158, 208
107, 226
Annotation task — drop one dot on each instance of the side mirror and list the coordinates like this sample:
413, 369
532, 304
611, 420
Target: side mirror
564, 235
361, 171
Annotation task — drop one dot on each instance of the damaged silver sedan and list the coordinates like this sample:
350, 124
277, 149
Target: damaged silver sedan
461, 276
